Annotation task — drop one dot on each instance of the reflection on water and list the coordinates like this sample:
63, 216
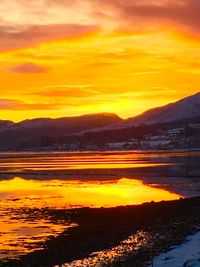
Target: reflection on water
19, 236
19, 192
72, 161
68, 180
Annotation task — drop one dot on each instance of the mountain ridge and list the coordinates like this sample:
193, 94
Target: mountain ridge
92, 115
176, 108
31, 132
147, 117
185, 108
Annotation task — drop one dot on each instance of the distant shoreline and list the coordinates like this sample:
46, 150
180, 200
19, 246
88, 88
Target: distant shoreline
103, 150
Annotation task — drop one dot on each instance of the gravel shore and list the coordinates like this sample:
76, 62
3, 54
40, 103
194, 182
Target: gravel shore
163, 225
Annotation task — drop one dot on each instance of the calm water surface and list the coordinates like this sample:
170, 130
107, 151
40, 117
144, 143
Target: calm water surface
68, 180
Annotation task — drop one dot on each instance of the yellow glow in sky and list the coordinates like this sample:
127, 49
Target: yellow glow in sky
73, 57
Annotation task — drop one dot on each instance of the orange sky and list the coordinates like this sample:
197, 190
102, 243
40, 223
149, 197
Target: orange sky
72, 57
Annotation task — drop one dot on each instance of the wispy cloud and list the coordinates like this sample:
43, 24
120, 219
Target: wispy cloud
184, 13
33, 22
69, 91
129, 46
28, 68
10, 104
20, 37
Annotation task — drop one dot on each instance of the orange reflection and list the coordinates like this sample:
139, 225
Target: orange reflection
19, 236
76, 161
56, 193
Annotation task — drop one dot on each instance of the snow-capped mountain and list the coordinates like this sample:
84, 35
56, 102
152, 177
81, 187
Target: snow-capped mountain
188, 107
31, 132
185, 108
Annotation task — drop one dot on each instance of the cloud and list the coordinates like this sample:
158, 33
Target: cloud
45, 12
33, 22
10, 104
184, 13
20, 37
29, 68
71, 93
68, 91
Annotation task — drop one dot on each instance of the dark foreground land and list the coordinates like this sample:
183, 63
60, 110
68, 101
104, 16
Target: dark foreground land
166, 224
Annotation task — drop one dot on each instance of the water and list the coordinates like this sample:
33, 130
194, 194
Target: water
69, 180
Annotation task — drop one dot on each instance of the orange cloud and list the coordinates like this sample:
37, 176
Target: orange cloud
29, 68
137, 53
30, 23
16, 38
71, 93
133, 14
10, 104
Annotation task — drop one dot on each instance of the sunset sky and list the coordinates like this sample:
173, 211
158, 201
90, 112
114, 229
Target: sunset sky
71, 57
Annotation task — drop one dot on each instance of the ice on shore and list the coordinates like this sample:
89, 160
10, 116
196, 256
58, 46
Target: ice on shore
185, 255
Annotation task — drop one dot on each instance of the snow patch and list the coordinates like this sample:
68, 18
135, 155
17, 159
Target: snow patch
185, 255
